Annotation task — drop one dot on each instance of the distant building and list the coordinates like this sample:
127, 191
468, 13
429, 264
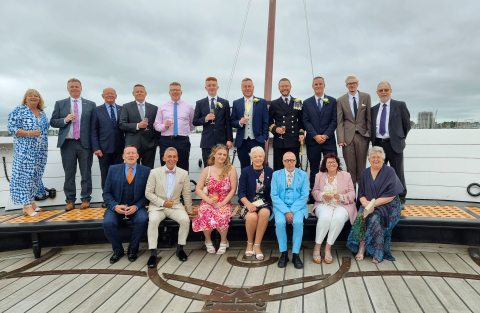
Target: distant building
425, 120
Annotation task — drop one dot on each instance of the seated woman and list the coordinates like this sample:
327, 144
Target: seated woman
254, 185
334, 204
373, 233
215, 209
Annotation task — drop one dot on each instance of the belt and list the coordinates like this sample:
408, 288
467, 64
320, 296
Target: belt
176, 137
383, 139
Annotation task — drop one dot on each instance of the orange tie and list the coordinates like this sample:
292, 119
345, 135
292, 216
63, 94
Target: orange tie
130, 176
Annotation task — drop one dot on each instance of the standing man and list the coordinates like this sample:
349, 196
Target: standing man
250, 117
216, 126
320, 120
164, 187
285, 111
137, 121
108, 140
354, 127
72, 116
175, 121
390, 126
124, 194
289, 196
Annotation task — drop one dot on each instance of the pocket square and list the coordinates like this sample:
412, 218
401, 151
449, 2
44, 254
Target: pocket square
363, 105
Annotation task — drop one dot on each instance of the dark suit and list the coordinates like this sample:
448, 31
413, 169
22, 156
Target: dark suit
398, 128
107, 137
319, 123
259, 124
112, 194
144, 140
247, 184
212, 134
72, 150
281, 114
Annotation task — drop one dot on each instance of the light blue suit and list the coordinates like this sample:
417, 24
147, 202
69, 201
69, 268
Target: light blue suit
280, 197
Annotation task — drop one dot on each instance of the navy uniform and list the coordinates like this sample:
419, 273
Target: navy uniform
291, 116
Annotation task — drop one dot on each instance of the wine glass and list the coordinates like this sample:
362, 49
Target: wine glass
73, 112
212, 111
283, 127
246, 115
126, 217
335, 191
145, 119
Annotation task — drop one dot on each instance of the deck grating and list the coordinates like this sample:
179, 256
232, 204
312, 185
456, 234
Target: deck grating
33, 219
435, 211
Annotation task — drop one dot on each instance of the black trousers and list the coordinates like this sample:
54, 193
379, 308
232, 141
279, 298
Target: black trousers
183, 148
105, 161
314, 155
147, 157
205, 155
244, 150
278, 157
395, 160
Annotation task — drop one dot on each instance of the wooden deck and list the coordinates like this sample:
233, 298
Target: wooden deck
117, 293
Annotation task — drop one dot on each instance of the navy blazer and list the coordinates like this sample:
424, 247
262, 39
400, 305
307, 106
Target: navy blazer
247, 185
112, 192
320, 123
260, 120
212, 134
105, 136
60, 112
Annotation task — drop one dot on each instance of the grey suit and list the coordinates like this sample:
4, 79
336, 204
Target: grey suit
398, 128
72, 150
355, 132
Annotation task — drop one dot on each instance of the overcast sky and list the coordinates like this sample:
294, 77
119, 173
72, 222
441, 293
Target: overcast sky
427, 49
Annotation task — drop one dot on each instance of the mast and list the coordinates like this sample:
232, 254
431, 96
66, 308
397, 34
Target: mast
270, 47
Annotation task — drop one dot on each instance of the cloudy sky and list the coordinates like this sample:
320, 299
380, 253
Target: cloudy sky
427, 49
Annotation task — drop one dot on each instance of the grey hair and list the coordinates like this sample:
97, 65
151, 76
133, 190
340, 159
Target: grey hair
376, 149
170, 149
385, 82
351, 76
256, 149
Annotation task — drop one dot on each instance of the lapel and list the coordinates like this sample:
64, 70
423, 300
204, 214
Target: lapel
122, 180
163, 179
119, 112
392, 109
84, 106
104, 110
175, 184
254, 106
135, 110
374, 115
350, 109
206, 105
147, 109
323, 106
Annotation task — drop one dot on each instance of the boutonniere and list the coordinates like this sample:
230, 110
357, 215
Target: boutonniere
297, 104
326, 101
219, 105
255, 100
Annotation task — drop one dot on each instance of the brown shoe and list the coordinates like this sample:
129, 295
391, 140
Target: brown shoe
85, 205
69, 206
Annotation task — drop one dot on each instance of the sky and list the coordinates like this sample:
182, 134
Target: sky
427, 49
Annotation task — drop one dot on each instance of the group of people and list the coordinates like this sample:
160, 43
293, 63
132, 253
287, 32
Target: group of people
125, 140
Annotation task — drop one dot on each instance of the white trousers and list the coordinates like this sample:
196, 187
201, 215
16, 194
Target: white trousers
156, 217
331, 221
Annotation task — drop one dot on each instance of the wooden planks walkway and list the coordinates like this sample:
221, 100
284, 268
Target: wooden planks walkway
117, 293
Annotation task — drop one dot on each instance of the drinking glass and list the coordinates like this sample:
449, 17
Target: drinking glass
283, 128
126, 217
73, 112
335, 191
212, 111
246, 115
146, 121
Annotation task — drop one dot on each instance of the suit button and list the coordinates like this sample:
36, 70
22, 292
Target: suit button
292, 126
292, 115
284, 121
284, 117
293, 132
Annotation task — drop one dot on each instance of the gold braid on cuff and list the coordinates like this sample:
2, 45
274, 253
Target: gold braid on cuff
301, 131
271, 127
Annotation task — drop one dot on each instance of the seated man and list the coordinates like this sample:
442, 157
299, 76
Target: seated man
289, 196
164, 187
124, 194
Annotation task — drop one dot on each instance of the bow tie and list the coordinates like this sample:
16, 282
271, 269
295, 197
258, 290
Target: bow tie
169, 172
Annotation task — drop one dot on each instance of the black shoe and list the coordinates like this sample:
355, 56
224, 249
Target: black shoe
296, 261
282, 262
116, 256
152, 261
132, 256
182, 256
104, 204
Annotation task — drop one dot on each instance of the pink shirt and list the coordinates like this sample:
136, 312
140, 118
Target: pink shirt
184, 116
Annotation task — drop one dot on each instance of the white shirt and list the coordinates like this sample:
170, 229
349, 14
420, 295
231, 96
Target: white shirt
170, 182
210, 103
288, 98
380, 110
79, 109
350, 99
287, 172
321, 100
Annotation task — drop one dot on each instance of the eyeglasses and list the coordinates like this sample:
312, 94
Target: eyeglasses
331, 163
290, 161
352, 84
383, 90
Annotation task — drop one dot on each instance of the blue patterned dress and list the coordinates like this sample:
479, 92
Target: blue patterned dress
29, 155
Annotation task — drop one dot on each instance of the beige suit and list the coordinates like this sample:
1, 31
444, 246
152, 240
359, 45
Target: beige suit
156, 193
355, 132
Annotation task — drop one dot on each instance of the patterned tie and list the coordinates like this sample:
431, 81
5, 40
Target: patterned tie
76, 124
289, 180
129, 175
169, 172
355, 109
319, 105
112, 116
248, 105
382, 120
175, 122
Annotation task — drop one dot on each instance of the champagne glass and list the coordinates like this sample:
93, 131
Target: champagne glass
212, 111
73, 112
283, 127
246, 115
335, 191
126, 217
145, 119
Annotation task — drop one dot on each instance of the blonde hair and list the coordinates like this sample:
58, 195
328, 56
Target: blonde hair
41, 105
349, 77
226, 166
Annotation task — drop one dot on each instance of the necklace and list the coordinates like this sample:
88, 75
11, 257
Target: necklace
258, 171
331, 177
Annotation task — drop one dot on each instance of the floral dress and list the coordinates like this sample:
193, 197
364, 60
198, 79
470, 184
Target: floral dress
331, 189
208, 216
29, 155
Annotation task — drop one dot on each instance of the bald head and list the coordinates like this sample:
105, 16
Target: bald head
109, 95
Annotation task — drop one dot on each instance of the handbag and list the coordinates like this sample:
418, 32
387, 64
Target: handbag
205, 187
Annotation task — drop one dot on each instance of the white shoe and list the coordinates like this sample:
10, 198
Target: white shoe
223, 248
259, 256
249, 253
210, 247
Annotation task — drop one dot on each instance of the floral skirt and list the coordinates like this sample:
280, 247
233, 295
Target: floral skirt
211, 218
378, 241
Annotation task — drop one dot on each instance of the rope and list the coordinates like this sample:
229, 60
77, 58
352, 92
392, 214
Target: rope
308, 35
238, 49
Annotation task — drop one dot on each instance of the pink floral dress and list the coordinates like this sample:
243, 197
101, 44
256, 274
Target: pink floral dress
208, 216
